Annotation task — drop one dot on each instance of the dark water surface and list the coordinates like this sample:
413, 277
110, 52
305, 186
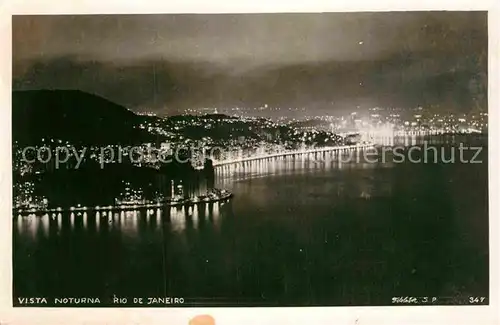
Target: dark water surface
297, 232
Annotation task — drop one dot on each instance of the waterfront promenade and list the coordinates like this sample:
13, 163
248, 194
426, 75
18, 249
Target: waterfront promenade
293, 153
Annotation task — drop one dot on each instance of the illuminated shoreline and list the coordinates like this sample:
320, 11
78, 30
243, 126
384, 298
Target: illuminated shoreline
225, 196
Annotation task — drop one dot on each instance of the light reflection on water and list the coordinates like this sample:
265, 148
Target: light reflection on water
126, 222
178, 219
216, 216
296, 230
228, 177
195, 216
85, 217
324, 162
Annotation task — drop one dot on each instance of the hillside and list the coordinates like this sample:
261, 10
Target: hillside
71, 115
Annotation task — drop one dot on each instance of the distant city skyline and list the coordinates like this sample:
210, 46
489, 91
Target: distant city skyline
328, 63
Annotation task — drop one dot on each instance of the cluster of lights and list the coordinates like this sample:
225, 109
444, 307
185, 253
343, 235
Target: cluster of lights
25, 197
130, 195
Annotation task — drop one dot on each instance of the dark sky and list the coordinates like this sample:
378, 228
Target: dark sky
326, 62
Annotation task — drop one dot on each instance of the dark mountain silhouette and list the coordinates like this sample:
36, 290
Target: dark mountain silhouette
71, 115
89, 120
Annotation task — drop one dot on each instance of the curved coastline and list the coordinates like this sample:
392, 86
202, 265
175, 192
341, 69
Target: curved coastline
358, 146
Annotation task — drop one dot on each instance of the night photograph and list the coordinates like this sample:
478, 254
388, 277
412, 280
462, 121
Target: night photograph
250, 160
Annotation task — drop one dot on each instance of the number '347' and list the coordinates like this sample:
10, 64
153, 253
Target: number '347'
476, 300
